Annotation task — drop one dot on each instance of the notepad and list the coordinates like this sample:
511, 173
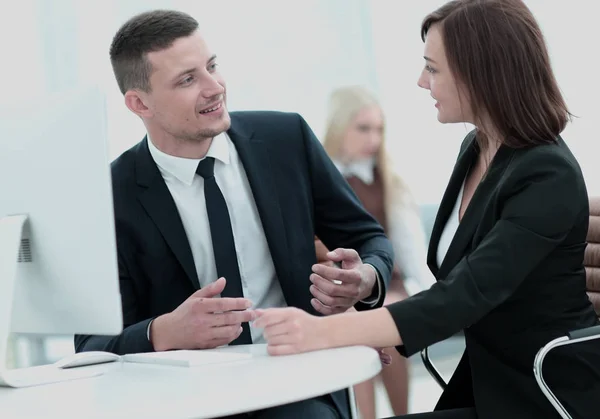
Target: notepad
186, 358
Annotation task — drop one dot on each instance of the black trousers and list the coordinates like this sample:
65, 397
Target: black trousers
320, 407
467, 413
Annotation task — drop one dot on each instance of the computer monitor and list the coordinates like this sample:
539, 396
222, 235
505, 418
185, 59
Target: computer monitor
55, 175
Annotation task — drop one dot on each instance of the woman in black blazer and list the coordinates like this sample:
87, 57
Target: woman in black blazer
508, 242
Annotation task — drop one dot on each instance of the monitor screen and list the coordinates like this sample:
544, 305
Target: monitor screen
54, 168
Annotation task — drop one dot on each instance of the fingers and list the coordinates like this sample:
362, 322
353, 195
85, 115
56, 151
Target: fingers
258, 312
385, 358
284, 339
330, 301
332, 273
346, 255
225, 332
232, 318
335, 290
286, 349
273, 316
215, 337
279, 327
278, 330
211, 290
326, 310
220, 305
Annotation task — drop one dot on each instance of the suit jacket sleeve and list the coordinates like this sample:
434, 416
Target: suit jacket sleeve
341, 220
134, 337
535, 215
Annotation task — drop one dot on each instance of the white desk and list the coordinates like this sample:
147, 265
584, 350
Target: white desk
130, 390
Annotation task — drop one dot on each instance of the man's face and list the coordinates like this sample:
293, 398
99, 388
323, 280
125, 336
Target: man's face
187, 101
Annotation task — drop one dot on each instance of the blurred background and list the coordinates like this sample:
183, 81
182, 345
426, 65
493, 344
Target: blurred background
289, 56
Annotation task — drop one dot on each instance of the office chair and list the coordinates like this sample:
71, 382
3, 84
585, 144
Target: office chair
592, 268
571, 338
431, 369
591, 259
352, 403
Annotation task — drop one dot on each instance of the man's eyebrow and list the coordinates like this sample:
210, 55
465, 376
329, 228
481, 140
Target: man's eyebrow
192, 69
189, 70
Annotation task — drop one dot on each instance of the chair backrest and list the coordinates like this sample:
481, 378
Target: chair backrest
592, 254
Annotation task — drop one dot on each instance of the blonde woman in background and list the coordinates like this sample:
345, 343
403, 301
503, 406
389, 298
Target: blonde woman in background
354, 139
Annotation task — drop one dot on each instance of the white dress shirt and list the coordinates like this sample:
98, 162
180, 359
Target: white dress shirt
362, 169
259, 280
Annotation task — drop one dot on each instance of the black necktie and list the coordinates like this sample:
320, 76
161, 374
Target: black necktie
222, 239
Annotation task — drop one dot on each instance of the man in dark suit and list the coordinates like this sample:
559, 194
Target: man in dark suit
217, 213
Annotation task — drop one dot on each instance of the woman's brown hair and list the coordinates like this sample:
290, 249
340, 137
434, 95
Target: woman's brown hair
497, 50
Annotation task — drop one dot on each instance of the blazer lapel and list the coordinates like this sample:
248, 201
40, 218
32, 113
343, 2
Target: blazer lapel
472, 216
463, 163
255, 158
158, 202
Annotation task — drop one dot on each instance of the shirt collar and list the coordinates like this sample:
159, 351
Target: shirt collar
362, 169
185, 169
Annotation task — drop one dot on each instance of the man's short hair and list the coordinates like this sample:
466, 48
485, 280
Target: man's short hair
147, 32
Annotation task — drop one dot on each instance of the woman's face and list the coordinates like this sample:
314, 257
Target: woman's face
451, 101
364, 135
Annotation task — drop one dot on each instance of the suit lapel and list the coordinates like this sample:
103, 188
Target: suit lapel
256, 161
158, 202
463, 163
472, 216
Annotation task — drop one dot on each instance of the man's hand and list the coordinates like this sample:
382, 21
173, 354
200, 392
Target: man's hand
202, 321
337, 289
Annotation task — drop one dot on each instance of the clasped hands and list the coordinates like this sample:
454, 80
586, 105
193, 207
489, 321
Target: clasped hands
338, 284
341, 282
203, 322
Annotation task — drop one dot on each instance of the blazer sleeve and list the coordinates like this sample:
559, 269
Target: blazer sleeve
340, 219
133, 338
536, 212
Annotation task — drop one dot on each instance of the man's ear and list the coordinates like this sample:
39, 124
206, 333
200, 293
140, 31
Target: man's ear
135, 101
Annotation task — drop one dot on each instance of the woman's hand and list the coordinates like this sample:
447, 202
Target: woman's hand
291, 330
386, 359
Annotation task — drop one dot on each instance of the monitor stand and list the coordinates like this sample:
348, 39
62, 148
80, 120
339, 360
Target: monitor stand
11, 233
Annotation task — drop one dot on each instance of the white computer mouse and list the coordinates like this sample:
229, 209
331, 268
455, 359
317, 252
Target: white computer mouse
83, 359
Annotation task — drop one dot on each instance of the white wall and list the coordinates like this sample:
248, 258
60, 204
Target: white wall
289, 55
274, 54
571, 32
424, 149
22, 66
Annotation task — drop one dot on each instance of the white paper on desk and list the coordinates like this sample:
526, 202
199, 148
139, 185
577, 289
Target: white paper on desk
186, 358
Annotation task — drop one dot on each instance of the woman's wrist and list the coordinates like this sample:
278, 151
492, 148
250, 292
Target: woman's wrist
336, 330
374, 328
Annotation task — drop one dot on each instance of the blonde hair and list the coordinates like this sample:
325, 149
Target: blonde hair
344, 104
